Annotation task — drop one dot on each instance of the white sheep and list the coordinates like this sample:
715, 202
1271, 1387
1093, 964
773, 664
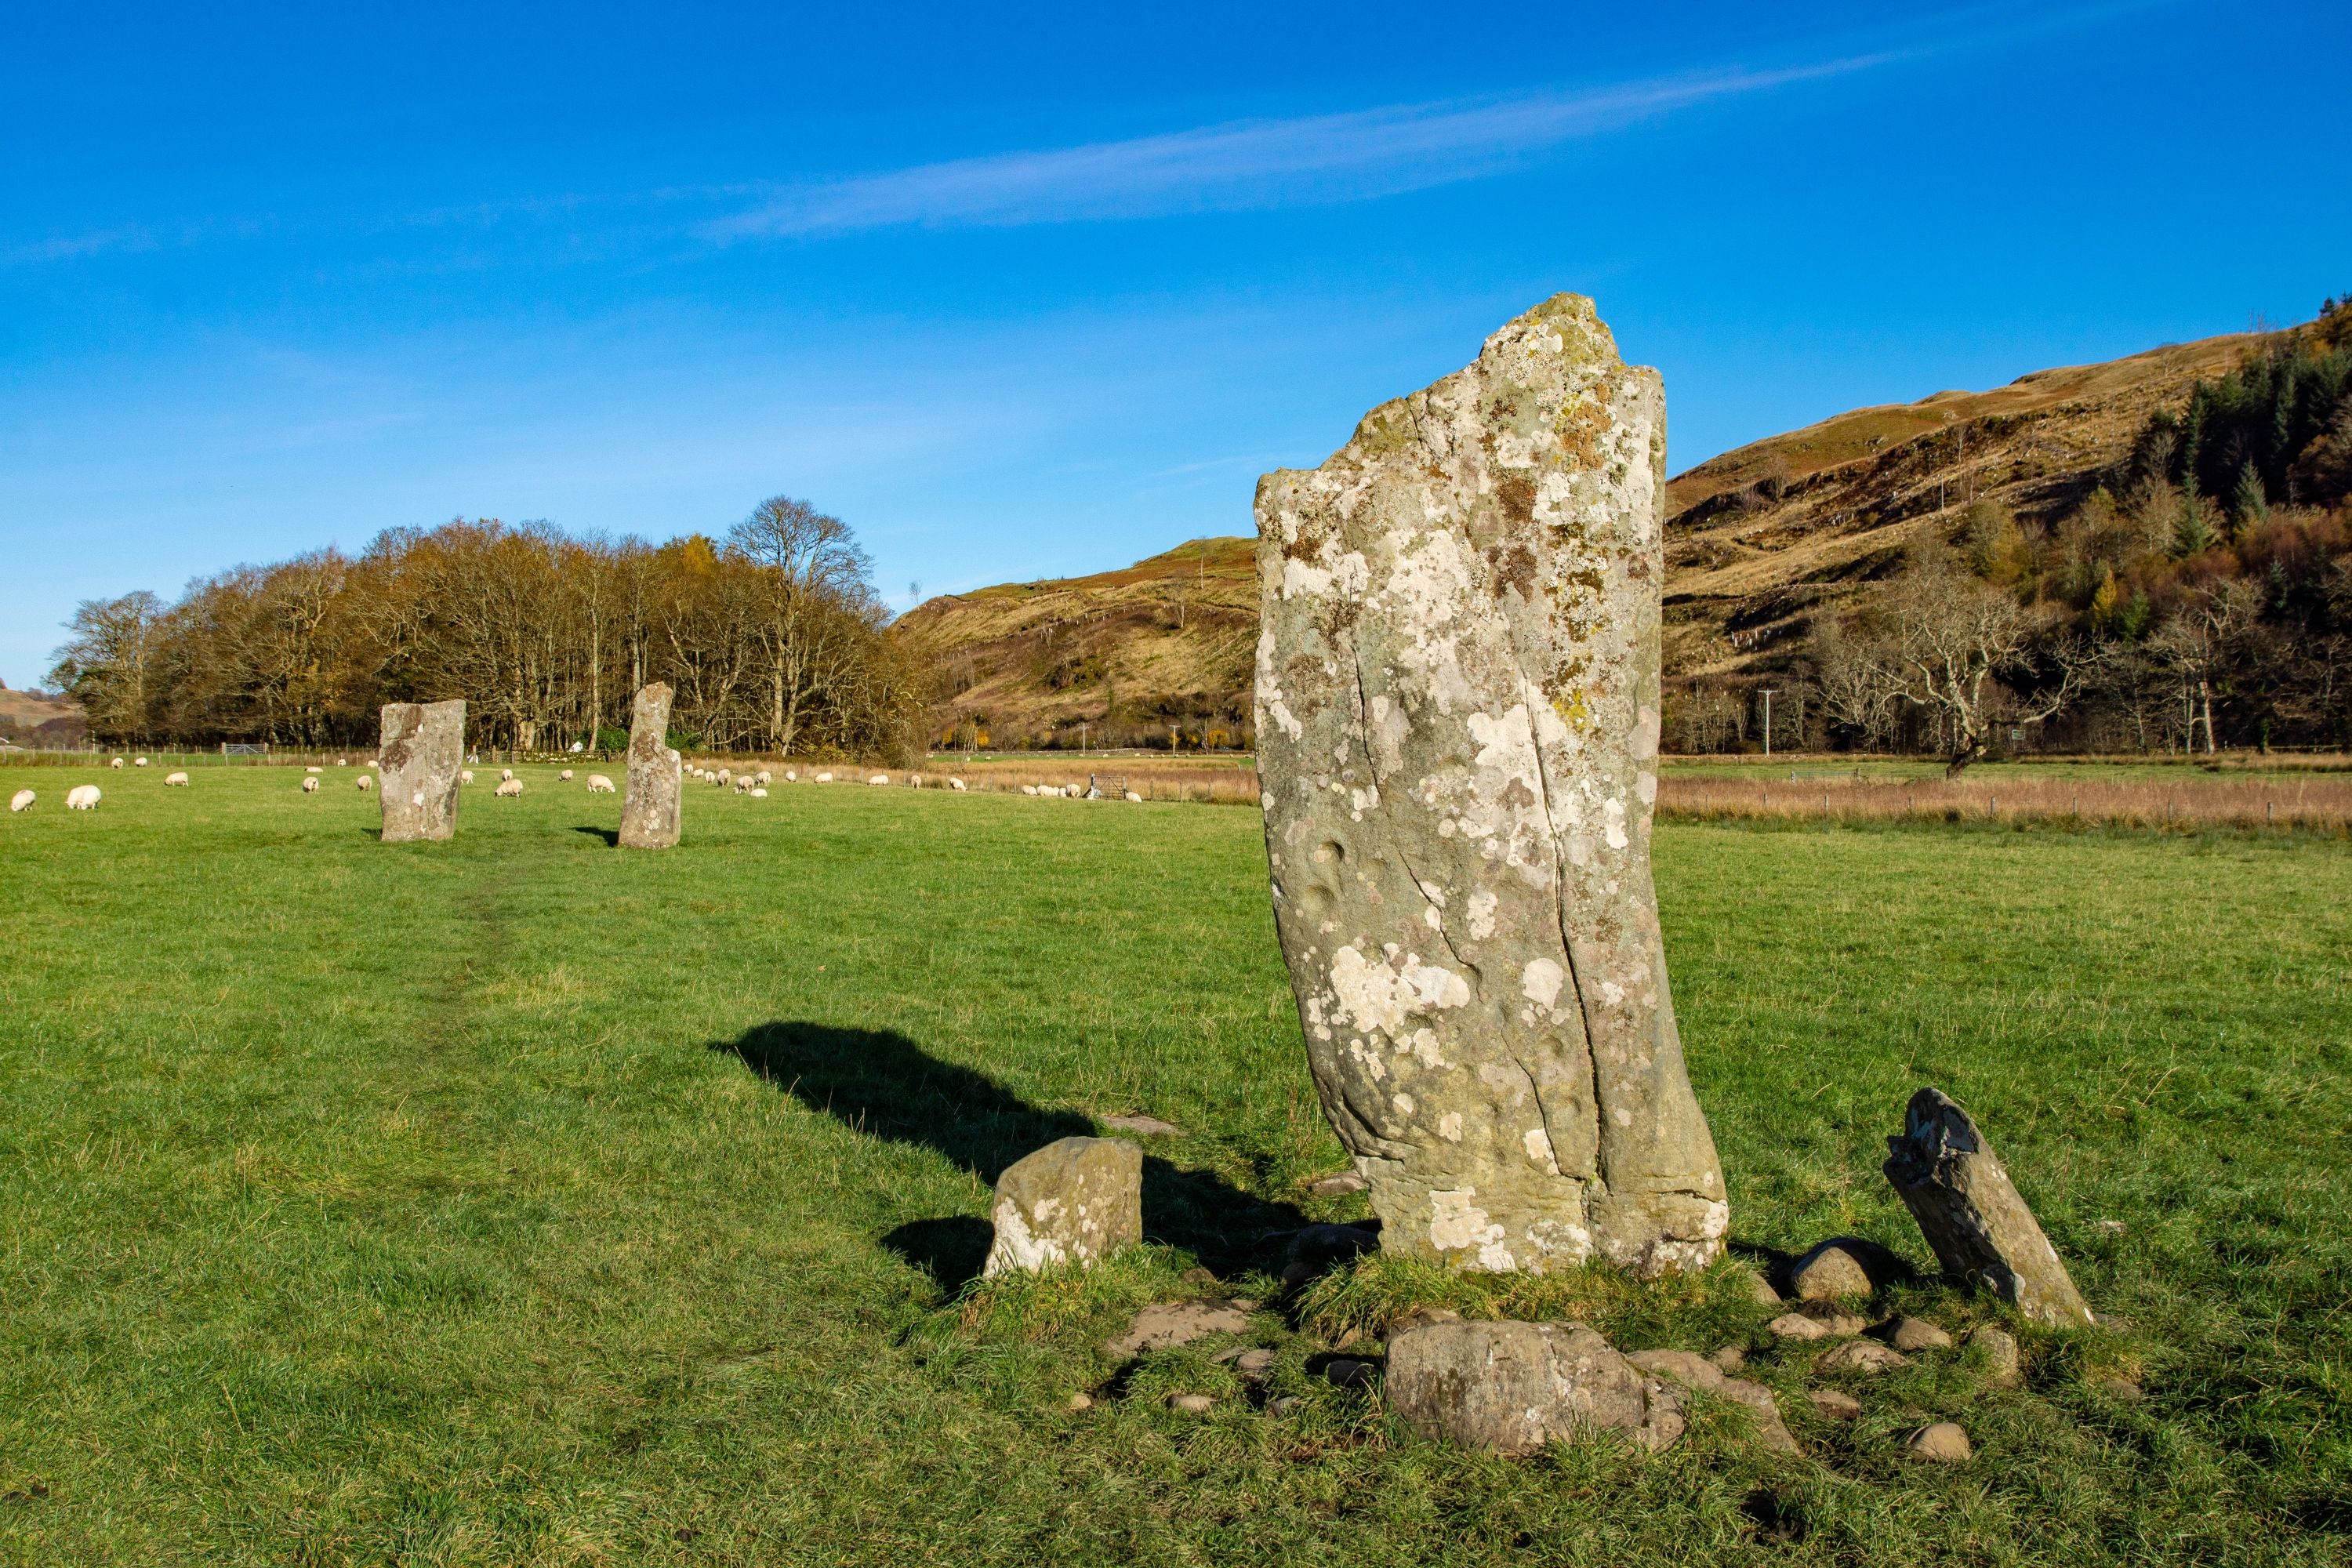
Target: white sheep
1135, 797
310, 786
742, 786
565, 775
599, 784
364, 782
139, 764
791, 776
506, 775
171, 780
824, 778
955, 784
22, 800
116, 763
725, 774
466, 776
759, 794
314, 770
880, 779
1029, 789
509, 786
82, 797
764, 778
342, 762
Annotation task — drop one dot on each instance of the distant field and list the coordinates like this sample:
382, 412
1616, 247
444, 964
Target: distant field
525, 1200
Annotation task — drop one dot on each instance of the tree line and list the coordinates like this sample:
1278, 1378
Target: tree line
2198, 595
772, 636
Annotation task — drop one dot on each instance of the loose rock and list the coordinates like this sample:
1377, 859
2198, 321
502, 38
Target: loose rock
1835, 1404
1414, 1316
1866, 1356
1190, 1404
1346, 1182
1075, 1201
1082, 1402
2121, 1389
1912, 1335
1729, 1358
423, 745
1943, 1444
2003, 1367
1511, 1387
1346, 1372
1459, 709
1796, 1326
1150, 1126
1817, 1320
1972, 1214
1760, 1288
1694, 1371
1843, 1266
1168, 1324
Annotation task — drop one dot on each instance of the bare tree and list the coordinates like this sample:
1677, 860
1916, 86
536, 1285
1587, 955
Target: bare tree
1952, 638
812, 560
108, 664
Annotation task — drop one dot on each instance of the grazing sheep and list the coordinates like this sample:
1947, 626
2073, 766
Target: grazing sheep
1028, 789
22, 800
565, 775
764, 778
880, 779
82, 797
466, 776
599, 784
916, 780
342, 762
824, 778
506, 775
139, 764
759, 794
1135, 797
178, 780
791, 776
742, 786
366, 782
955, 784
314, 770
310, 786
116, 763
725, 774
509, 786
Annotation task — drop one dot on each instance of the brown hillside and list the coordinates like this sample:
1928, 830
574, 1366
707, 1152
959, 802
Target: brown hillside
1757, 540
29, 719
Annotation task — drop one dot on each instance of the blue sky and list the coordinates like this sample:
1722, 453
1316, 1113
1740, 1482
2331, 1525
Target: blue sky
1031, 292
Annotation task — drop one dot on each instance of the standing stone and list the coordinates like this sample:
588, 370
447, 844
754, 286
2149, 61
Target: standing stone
423, 745
1512, 1387
1972, 1214
1457, 699
1075, 1201
651, 812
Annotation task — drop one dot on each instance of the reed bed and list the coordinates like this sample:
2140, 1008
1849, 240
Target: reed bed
2202, 800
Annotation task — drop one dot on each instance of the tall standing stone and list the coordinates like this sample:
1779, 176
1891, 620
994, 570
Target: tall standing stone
1972, 1214
423, 746
1457, 695
651, 812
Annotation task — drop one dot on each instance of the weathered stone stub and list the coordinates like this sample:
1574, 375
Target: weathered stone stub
1512, 1387
1971, 1212
652, 812
423, 746
1077, 1200
1457, 708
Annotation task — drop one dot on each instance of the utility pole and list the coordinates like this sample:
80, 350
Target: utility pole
1767, 720
1082, 737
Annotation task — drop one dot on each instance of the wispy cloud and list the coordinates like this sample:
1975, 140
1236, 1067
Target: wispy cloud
1250, 164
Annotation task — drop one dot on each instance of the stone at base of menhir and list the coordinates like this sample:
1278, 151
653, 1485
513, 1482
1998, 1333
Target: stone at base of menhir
1512, 1387
423, 748
1971, 1212
653, 811
1075, 1201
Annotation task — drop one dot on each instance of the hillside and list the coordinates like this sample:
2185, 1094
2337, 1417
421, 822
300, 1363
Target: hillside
29, 721
1758, 539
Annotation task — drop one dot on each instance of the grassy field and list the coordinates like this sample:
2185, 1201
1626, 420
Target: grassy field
524, 1200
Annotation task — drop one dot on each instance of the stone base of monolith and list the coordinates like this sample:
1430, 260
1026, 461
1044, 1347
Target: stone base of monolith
418, 763
1513, 1387
1971, 1212
652, 812
1077, 1200
1458, 714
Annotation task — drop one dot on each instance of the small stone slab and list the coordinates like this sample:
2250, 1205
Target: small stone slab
1817, 1320
1972, 1214
1912, 1335
1866, 1356
423, 748
1168, 1324
1077, 1200
1191, 1404
1512, 1387
1729, 1358
1705, 1375
1835, 1405
1148, 1126
2003, 1367
1942, 1444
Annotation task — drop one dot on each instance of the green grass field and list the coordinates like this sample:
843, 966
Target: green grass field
525, 1200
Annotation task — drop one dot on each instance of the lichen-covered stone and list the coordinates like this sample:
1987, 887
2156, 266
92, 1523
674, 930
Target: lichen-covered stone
423, 747
1458, 690
1972, 1214
1077, 1200
1512, 1387
652, 812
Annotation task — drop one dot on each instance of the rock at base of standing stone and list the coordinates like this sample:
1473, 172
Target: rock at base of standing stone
1758, 1288
1164, 1325
1941, 1444
2003, 1366
422, 751
1912, 1335
1835, 1405
1458, 700
1972, 1214
653, 812
1842, 1266
1867, 1356
1339, 1185
1512, 1387
1077, 1200
1708, 1376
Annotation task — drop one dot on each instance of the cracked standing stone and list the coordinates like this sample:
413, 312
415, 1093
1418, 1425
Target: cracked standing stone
652, 812
424, 745
1457, 691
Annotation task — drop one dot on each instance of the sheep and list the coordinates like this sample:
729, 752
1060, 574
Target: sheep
22, 800
742, 786
764, 778
824, 778
565, 775
342, 762
139, 764
175, 780
310, 786
880, 779
82, 797
1135, 797
1028, 789
759, 794
955, 784
724, 776
510, 786
116, 763
791, 776
916, 780
364, 782
599, 784
314, 770
466, 776
506, 775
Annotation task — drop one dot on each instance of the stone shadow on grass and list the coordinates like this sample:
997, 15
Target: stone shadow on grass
883, 1084
611, 835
